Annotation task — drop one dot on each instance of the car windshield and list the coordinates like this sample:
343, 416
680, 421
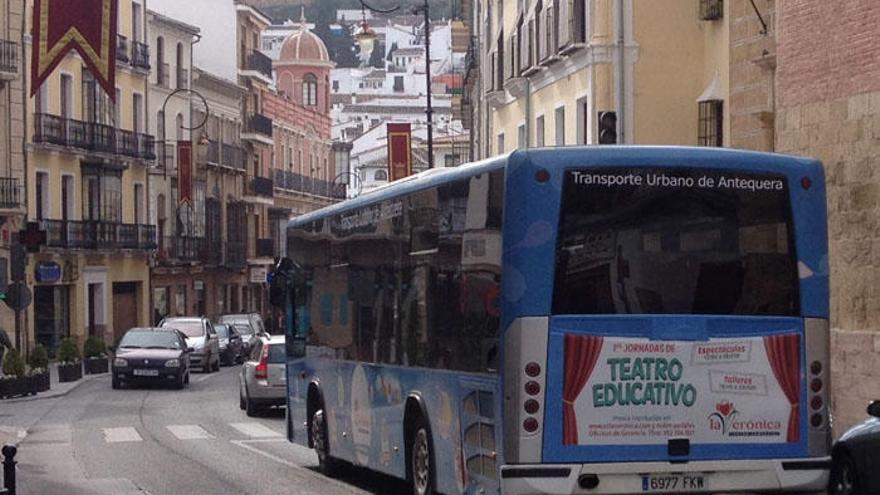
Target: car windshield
191, 328
244, 329
222, 331
149, 340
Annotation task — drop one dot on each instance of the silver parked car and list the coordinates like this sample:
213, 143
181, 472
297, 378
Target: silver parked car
249, 326
263, 379
200, 335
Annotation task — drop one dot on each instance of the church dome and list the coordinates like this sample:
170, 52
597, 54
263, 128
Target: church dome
304, 46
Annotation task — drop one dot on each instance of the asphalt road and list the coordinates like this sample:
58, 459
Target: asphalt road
160, 441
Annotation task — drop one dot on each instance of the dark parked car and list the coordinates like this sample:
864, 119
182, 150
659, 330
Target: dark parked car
252, 325
151, 355
856, 458
200, 335
231, 346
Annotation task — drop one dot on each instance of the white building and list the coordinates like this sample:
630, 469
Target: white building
361, 114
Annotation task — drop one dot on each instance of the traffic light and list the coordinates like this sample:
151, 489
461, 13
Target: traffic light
17, 262
607, 127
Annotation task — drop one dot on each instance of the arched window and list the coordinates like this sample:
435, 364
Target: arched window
310, 90
381, 175
182, 75
160, 60
178, 124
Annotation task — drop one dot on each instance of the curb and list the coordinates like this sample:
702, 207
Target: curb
56, 395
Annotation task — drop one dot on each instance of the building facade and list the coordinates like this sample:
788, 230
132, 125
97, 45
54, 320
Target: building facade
828, 107
571, 72
88, 160
12, 129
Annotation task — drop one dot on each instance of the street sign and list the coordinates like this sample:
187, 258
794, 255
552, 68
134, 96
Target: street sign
47, 272
18, 296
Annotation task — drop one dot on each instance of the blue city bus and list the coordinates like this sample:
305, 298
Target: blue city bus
572, 320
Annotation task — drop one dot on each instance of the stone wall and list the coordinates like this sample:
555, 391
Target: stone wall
828, 100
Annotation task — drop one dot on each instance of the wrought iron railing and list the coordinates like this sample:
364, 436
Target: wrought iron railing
292, 181
259, 124
182, 78
91, 234
140, 55
122, 48
52, 129
10, 192
8, 56
232, 156
163, 75
265, 248
236, 254
259, 62
262, 186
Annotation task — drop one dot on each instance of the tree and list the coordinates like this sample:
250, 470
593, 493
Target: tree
377, 58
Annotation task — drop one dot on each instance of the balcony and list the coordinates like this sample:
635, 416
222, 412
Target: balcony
212, 254
140, 55
265, 248
262, 187
549, 43
232, 156
236, 254
213, 153
163, 75
179, 249
122, 49
94, 235
89, 136
10, 193
290, 181
258, 65
258, 128
573, 28
8, 59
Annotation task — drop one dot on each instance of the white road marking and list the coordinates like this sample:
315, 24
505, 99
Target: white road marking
255, 430
251, 445
123, 434
189, 432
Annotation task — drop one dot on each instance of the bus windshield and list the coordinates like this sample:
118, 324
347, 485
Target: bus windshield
675, 241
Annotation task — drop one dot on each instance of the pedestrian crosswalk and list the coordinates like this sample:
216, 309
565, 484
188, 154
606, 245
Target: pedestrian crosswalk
192, 432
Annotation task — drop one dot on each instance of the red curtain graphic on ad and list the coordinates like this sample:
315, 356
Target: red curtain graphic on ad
87, 26
784, 354
581, 354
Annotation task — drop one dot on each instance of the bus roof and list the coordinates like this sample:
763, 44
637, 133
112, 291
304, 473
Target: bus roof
555, 158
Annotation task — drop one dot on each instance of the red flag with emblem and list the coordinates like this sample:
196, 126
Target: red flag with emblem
87, 26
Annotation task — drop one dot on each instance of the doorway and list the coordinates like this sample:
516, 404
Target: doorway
125, 308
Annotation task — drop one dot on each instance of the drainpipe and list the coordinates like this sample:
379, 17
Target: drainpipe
621, 74
528, 113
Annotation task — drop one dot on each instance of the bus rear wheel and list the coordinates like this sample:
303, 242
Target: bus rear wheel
321, 441
422, 460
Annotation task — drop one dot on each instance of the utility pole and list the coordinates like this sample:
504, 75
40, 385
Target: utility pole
429, 110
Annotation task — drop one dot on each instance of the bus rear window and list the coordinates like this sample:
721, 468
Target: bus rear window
675, 241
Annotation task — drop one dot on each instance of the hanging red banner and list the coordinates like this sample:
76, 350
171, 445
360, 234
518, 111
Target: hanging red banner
184, 172
87, 26
399, 151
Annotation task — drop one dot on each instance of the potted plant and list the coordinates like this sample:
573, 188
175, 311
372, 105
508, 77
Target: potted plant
39, 364
69, 363
14, 381
95, 352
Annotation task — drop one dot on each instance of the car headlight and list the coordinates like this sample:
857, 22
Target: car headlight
172, 363
120, 363
199, 345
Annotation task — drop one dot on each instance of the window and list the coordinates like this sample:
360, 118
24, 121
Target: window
42, 99
181, 70
117, 108
102, 194
650, 249
310, 90
521, 137
136, 22
500, 146
711, 10
711, 123
42, 199
335, 86
560, 126
539, 131
381, 175
139, 204
398, 84
137, 112
66, 197
583, 126
66, 96
451, 160
96, 105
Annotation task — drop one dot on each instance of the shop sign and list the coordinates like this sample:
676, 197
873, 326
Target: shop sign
258, 275
47, 272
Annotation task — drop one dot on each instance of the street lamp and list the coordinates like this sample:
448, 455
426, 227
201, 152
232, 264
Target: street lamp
366, 39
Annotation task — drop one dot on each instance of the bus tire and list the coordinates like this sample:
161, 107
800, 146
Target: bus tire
421, 459
321, 441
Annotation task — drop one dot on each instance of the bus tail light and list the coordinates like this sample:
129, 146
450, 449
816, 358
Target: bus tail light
525, 383
531, 425
818, 390
261, 372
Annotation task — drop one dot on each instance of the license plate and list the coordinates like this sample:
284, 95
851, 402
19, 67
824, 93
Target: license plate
673, 483
146, 372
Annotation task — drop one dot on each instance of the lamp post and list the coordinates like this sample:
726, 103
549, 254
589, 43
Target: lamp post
366, 38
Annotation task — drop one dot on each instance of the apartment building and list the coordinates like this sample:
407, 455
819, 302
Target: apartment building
12, 117
88, 160
565, 72
255, 76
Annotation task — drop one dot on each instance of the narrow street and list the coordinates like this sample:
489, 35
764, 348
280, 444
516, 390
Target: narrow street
158, 441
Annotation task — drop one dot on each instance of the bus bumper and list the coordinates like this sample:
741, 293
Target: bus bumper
775, 475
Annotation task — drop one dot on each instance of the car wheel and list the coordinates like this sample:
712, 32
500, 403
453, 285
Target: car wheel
187, 378
116, 383
217, 364
241, 401
422, 460
844, 476
249, 407
321, 441
180, 382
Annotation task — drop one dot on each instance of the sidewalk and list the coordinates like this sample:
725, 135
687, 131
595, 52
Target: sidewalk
13, 435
